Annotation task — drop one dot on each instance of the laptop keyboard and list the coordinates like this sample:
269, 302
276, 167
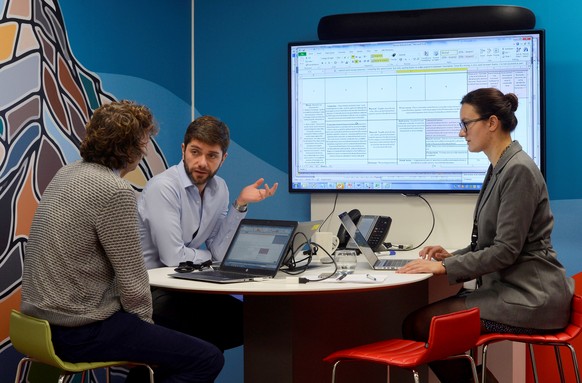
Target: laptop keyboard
392, 263
218, 274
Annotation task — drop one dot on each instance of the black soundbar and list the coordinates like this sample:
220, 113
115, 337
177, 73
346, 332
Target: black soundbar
425, 22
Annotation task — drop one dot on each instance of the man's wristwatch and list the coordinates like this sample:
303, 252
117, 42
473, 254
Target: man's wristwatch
443, 263
240, 208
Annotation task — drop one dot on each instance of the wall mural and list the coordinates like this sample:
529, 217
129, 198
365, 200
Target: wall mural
46, 98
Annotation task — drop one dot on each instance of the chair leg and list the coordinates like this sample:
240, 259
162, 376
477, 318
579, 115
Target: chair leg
333, 371
151, 371
416, 377
473, 368
559, 362
574, 362
19, 369
471, 360
483, 363
533, 362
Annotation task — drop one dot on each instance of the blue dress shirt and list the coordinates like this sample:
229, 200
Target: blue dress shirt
178, 225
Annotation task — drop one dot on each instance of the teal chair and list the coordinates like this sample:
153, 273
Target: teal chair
32, 337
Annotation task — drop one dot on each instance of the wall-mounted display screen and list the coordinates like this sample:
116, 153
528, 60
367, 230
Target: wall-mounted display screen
384, 115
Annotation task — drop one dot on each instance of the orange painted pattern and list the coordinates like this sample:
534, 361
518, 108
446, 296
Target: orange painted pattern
46, 98
12, 301
26, 204
8, 38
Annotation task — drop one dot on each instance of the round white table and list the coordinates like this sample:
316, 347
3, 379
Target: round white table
290, 327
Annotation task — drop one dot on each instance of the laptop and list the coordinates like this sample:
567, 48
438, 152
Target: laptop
369, 254
256, 251
375, 229
301, 238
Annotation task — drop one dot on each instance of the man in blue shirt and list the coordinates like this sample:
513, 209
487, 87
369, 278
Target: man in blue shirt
186, 215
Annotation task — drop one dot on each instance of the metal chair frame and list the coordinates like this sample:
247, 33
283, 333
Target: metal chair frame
557, 340
32, 337
415, 373
450, 337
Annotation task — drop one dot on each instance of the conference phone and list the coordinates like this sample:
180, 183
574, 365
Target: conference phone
374, 227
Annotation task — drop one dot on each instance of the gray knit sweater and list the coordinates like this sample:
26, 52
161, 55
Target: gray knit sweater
83, 261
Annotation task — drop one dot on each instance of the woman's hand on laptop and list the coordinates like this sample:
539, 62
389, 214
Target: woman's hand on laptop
421, 266
426, 264
437, 253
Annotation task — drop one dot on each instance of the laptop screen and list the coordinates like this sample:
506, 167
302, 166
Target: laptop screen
303, 234
353, 230
258, 246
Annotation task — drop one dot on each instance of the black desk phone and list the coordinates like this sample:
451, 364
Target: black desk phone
374, 227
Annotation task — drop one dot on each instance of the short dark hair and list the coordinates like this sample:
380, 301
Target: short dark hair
492, 102
209, 130
115, 134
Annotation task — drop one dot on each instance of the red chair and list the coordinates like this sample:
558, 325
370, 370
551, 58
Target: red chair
561, 338
450, 336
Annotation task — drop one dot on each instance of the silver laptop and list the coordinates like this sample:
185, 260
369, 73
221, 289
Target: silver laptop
371, 257
256, 251
301, 238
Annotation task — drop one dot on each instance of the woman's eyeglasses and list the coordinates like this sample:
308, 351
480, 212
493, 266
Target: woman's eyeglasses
465, 124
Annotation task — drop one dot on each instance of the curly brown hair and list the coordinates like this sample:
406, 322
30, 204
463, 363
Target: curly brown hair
116, 133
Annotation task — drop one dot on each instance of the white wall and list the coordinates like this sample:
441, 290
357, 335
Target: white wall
411, 216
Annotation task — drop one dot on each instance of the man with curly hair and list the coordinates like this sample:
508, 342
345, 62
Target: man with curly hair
84, 270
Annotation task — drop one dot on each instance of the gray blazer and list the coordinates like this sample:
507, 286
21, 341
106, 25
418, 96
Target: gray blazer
523, 284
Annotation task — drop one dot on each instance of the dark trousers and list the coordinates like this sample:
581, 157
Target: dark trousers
216, 318
175, 357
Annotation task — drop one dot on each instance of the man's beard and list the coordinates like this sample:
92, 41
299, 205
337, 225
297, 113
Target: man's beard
199, 181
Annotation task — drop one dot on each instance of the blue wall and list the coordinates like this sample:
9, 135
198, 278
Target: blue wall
138, 50
141, 51
241, 75
241, 71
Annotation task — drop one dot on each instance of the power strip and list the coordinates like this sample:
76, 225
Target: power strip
399, 247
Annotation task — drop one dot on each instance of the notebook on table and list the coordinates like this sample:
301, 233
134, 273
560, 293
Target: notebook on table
375, 262
256, 251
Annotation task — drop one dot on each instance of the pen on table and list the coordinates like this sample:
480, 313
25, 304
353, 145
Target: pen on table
370, 277
341, 276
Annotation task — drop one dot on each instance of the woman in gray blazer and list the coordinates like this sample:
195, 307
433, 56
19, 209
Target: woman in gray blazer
521, 287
